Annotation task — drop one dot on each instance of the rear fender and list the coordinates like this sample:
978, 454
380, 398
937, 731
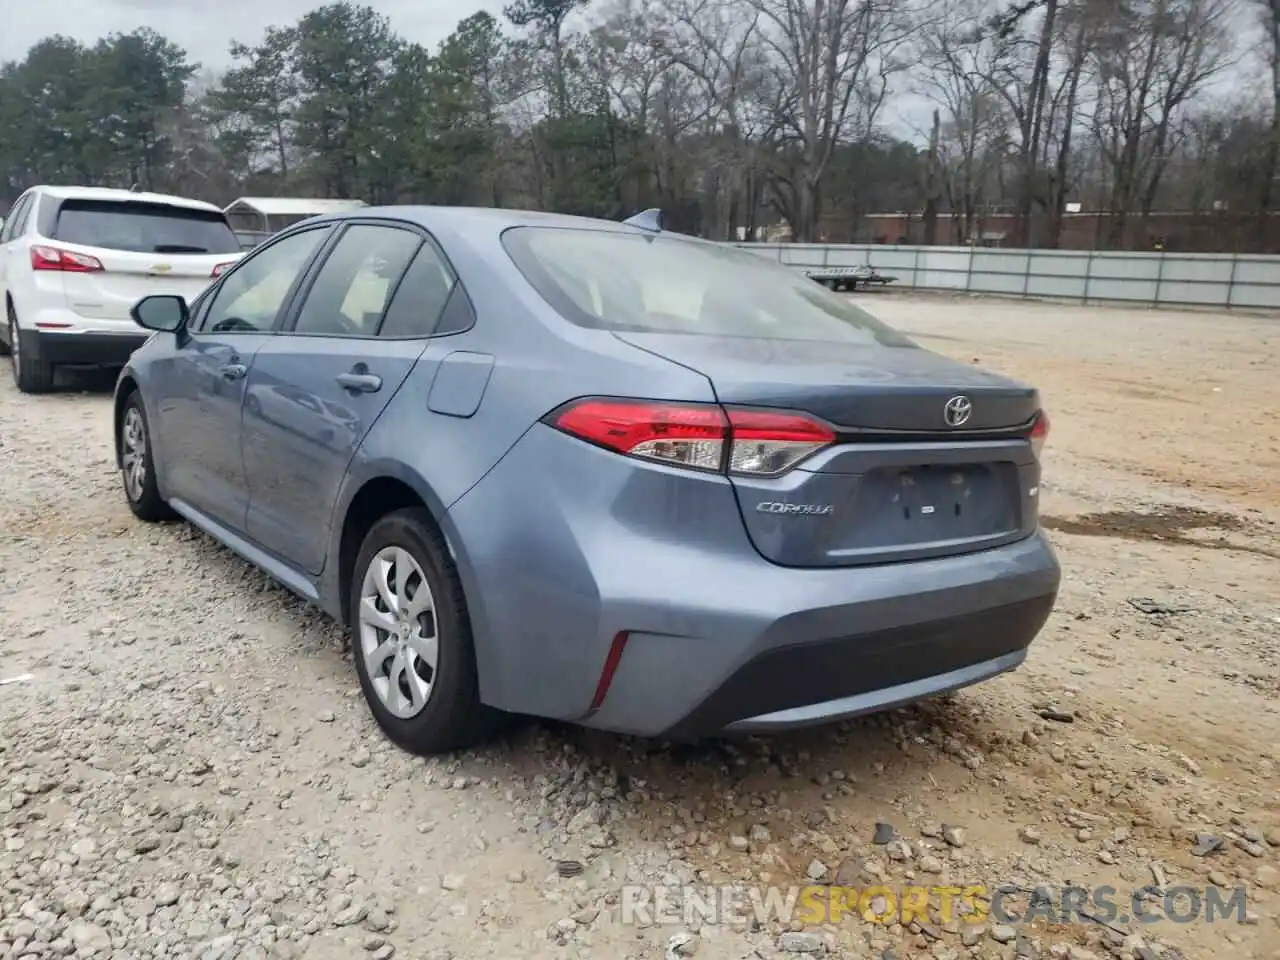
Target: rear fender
365, 471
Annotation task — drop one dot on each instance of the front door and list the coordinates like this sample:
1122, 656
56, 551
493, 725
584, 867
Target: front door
203, 382
316, 389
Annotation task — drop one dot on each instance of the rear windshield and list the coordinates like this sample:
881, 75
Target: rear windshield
143, 227
665, 284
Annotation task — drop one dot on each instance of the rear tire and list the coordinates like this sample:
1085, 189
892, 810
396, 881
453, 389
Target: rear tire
137, 470
413, 650
30, 376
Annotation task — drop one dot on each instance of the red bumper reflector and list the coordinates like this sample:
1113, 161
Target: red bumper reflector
610, 667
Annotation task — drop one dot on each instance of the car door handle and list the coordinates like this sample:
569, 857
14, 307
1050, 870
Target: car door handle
234, 371
359, 382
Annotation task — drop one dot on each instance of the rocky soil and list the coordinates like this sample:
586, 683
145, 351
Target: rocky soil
187, 769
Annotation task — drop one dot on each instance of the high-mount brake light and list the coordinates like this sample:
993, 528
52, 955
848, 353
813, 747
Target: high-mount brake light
698, 436
63, 261
1039, 433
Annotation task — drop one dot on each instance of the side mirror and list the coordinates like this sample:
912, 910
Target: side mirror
164, 312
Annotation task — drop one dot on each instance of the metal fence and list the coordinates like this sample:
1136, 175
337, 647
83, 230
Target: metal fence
1154, 279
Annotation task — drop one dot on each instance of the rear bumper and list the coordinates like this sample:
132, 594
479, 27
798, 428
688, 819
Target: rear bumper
562, 549
809, 683
81, 348
823, 651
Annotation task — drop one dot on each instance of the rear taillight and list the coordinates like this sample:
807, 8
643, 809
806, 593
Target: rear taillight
221, 268
699, 436
1039, 433
766, 444
681, 435
64, 261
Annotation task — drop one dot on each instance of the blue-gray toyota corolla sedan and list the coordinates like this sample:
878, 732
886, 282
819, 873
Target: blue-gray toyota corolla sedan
592, 471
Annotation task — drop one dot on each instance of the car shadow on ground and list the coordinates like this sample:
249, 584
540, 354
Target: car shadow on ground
90, 381
879, 761
909, 739
900, 750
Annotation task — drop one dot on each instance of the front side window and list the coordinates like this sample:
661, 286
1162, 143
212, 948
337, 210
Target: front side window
17, 219
250, 297
28, 211
143, 227
350, 293
616, 280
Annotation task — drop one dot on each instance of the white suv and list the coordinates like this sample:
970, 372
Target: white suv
74, 260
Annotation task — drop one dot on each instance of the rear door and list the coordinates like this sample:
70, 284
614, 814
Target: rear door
126, 250
315, 390
200, 385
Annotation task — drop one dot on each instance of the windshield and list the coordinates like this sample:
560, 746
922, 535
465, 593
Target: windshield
664, 284
144, 227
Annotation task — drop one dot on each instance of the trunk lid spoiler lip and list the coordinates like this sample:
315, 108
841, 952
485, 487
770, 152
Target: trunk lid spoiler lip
885, 435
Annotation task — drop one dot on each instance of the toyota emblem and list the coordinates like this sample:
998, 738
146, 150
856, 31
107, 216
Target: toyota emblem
957, 411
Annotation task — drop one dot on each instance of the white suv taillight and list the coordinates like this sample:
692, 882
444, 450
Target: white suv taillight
221, 268
1039, 433
64, 261
700, 436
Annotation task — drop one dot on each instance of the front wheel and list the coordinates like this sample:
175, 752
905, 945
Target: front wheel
137, 464
411, 638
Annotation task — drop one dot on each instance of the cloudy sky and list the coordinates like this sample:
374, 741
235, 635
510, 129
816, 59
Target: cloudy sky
206, 27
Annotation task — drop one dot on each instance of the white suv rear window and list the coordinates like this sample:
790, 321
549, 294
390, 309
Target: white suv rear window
144, 227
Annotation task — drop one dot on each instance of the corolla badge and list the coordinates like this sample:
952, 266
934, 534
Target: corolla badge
795, 509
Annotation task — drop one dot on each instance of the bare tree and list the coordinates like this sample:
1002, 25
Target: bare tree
1270, 10
1152, 57
1022, 77
1079, 24
628, 60
719, 42
831, 62
959, 60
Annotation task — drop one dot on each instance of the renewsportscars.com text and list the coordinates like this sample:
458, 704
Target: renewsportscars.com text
886, 904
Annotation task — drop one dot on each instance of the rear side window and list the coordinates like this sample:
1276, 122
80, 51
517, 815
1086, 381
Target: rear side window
626, 281
420, 298
143, 227
355, 281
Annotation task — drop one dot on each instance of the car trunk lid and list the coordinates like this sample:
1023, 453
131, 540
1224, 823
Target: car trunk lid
901, 481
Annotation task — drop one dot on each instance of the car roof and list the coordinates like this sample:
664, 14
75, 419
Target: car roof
489, 219
112, 193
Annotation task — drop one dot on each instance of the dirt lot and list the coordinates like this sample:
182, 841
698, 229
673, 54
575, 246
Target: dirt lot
189, 770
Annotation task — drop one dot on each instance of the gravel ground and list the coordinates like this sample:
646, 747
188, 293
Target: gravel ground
189, 771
